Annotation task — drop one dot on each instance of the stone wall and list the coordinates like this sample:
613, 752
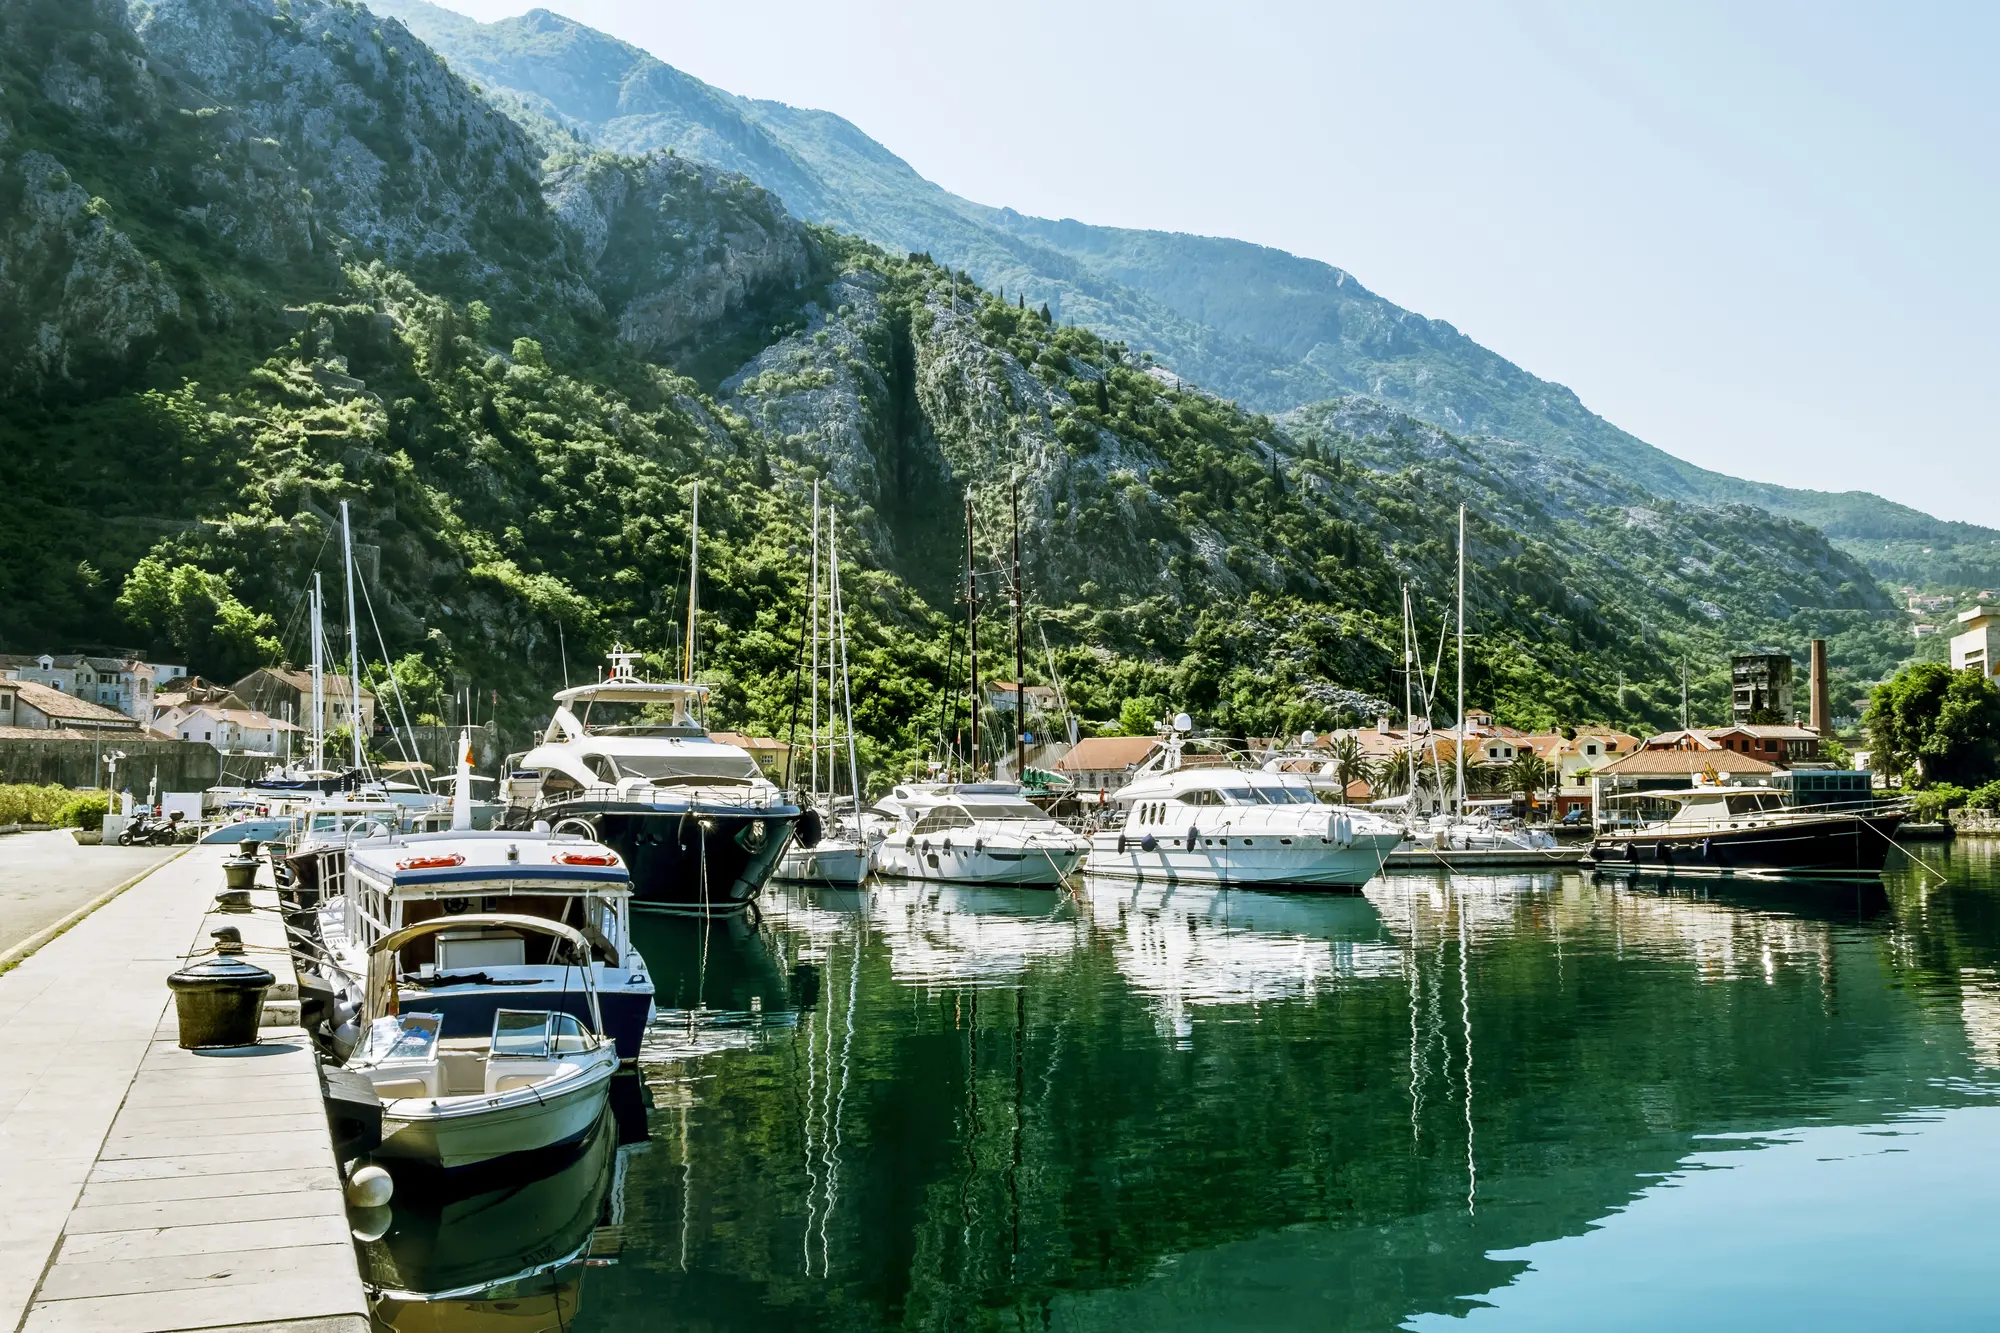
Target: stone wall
73, 762
1977, 822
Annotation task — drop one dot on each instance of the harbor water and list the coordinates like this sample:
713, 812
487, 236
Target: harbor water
1523, 1101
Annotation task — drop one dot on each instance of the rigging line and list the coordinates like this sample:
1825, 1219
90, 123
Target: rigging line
811, 1137
1416, 1084
396, 686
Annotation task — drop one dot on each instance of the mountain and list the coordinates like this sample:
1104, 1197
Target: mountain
260, 259
1253, 323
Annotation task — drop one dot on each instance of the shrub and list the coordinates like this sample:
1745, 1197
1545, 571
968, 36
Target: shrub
27, 803
1986, 796
1931, 803
84, 810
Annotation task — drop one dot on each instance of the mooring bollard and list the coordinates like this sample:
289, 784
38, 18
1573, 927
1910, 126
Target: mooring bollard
219, 1000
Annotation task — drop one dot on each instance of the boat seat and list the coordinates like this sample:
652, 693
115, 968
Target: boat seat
461, 1073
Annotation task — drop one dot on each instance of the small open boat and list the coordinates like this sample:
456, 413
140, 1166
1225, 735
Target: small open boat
540, 1079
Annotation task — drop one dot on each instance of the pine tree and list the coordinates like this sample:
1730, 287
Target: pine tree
1103, 399
1022, 297
1045, 314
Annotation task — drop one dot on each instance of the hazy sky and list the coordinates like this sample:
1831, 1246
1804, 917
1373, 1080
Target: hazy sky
1761, 237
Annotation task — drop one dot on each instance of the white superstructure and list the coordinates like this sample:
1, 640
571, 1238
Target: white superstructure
972, 833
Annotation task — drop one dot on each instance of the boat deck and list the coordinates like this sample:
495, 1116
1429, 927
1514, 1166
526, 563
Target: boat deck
151, 1188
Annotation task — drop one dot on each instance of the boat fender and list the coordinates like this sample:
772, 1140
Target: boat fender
369, 1186
1121, 844
1147, 843
1193, 838
979, 844
1704, 849
910, 843
811, 828
1341, 829
947, 844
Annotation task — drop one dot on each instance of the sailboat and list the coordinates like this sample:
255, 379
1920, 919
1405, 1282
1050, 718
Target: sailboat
1456, 837
840, 855
975, 832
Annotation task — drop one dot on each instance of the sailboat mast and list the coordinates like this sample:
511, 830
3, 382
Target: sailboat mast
1409, 703
814, 741
1020, 690
694, 569
1460, 747
353, 638
316, 736
972, 633
837, 624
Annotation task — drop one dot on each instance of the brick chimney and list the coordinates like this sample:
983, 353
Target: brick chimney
1822, 712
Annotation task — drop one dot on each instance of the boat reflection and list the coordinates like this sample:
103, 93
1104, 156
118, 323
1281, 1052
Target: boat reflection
504, 1256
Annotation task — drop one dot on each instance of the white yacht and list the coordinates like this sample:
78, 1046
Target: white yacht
627, 762
1215, 823
972, 832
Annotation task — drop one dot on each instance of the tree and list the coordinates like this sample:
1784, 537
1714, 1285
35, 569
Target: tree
1045, 314
1933, 724
1529, 773
1136, 718
196, 612
1350, 765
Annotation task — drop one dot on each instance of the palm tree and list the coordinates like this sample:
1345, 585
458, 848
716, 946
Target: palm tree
1350, 765
1529, 773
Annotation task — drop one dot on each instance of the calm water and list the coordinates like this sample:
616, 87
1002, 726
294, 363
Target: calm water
1534, 1101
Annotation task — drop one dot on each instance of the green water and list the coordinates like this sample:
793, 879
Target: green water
1526, 1102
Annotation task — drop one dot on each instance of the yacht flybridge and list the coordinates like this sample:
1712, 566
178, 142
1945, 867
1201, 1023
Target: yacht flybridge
1199, 818
627, 762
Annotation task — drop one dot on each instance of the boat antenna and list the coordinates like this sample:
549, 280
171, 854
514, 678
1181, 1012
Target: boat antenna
972, 636
694, 568
1459, 798
317, 737
353, 638
1020, 690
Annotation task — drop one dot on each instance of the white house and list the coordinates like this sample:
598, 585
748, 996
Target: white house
123, 683
1977, 644
229, 730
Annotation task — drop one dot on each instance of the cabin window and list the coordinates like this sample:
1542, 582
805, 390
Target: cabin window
602, 767
943, 818
1201, 797
557, 784
1003, 810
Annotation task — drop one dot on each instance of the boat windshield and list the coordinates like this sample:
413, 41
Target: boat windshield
688, 769
535, 1033
402, 1037
1004, 810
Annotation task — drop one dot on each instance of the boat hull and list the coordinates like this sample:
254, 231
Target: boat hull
1300, 866
1024, 867
1837, 846
451, 1133
698, 856
831, 862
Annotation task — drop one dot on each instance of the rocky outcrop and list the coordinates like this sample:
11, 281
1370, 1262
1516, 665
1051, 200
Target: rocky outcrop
675, 247
77, 298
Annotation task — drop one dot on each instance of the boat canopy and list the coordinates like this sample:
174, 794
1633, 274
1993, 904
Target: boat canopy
381, 991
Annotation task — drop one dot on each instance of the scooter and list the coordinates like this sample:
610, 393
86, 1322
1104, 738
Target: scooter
149, 831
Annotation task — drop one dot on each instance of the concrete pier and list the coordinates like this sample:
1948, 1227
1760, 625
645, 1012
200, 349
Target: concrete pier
151, 1189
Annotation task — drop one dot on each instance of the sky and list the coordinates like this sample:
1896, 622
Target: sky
1757, 236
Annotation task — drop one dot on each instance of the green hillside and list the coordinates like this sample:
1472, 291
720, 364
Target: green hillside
259, 263
1255, 324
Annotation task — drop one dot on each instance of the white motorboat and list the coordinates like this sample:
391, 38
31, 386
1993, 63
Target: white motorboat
539, 1078
827, 849
972, 833
1215, 823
